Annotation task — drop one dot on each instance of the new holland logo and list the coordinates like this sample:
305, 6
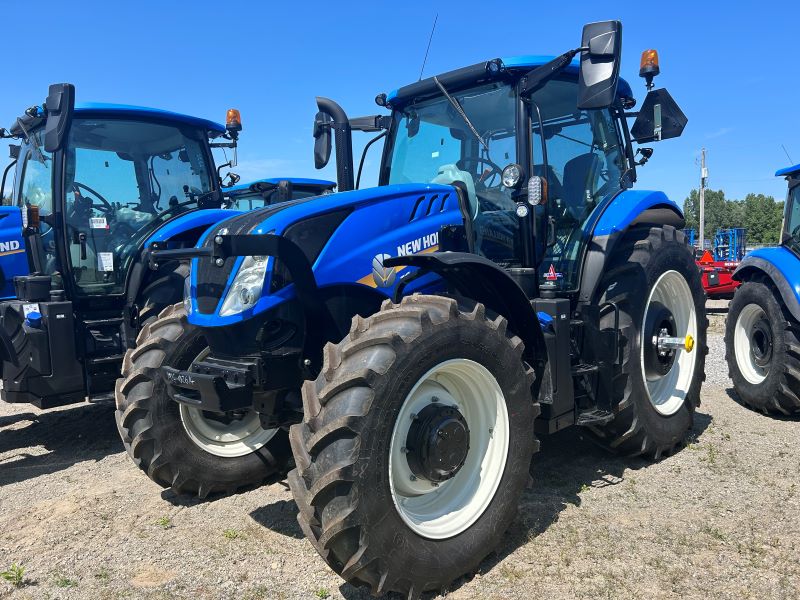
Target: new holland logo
383, 276
9, 247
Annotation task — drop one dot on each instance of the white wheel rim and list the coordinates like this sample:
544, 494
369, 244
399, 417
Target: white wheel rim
240, 437
452, 507
742, 344
668, 393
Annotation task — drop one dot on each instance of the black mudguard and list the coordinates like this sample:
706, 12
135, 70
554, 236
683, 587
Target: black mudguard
484, 281
753, 264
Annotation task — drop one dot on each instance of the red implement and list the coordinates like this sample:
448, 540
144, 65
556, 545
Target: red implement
717, 276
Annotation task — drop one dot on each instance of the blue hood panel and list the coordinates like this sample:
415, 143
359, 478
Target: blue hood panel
385, 221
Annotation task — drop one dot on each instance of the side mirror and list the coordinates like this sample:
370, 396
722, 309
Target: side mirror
322, 139
601, 45
60, 107
660, 118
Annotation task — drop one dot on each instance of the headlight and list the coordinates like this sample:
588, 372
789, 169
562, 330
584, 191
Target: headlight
187, 294
247, 285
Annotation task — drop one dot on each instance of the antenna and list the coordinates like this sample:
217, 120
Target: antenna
430, 39
787, 153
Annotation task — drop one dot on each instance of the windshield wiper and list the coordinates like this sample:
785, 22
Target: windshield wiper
457, 105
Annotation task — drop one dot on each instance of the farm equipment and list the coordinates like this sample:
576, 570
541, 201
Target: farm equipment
719, 263
94, 184
762, 331
502, 281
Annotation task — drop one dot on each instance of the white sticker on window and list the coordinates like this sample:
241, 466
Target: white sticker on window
29, 308
435, 154
105, 261
98, 223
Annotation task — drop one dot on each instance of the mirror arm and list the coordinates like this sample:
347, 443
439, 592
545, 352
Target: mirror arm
534, 79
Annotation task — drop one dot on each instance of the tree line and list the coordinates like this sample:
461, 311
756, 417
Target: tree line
761, 215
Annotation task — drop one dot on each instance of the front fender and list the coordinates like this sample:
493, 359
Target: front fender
781, 267
630, 208
483, 281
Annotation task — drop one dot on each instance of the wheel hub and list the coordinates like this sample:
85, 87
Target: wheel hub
437, 443
761, 343
658, 358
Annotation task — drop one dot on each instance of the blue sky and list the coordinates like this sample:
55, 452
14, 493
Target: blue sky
731, 66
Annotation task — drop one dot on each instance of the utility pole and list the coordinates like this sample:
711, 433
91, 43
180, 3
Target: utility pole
703, 177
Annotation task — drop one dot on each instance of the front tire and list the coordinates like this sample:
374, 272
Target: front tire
415, 446
763, 350
181, 447
654, 281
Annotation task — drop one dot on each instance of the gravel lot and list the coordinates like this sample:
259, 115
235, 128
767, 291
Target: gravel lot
720, 519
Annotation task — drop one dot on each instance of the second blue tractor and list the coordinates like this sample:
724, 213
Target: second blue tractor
762, 332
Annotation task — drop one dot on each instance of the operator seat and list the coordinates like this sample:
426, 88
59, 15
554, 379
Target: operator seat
577, 189
449, 174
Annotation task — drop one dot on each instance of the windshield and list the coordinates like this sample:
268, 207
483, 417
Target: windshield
792, 227
124, 178
434, 144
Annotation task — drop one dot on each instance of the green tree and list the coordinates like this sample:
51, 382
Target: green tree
720, 212
759, 214
763, 217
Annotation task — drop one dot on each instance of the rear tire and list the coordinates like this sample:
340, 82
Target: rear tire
649, 270
176, 451
762, 347
374, 521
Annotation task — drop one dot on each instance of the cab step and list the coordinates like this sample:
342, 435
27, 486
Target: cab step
596, 417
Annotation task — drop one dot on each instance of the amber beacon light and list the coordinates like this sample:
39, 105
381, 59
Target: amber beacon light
648, 67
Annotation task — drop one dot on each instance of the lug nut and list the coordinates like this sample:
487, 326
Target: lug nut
219, 262
434, 399
218, 239
413, 478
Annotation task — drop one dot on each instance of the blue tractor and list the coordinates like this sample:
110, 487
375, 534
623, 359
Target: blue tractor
762, 331
402, 346
93, 184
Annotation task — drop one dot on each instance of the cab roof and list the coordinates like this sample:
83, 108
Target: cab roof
477, 72
87, 109
301, 182
787, 171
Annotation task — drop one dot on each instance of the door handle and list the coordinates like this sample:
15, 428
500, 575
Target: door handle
82, 242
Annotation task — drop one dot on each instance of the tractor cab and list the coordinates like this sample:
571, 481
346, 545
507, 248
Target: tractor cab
92, 184
538, 147
790, 233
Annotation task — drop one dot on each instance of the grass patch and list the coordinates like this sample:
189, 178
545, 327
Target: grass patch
63, 581
322, 593
232, 534
164, 523
15, 575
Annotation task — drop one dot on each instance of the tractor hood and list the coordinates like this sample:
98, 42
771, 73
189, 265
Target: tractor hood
340, 234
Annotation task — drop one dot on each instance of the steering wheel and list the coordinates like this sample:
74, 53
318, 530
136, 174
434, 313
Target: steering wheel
478, 160
105, 205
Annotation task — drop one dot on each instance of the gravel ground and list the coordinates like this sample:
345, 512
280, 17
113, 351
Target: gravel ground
720, 519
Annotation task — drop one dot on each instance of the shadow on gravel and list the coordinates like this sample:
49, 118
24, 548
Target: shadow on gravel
280, 517
84, 432
731, 392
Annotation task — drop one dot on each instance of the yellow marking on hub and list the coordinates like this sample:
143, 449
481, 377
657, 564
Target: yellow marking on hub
688, 343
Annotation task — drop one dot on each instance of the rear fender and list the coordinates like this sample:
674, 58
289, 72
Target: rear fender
627, 209
780, 266
483, 281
